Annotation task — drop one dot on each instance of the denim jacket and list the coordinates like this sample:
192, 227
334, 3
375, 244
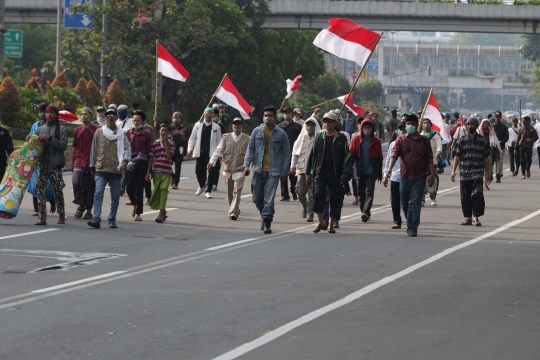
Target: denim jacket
279, 154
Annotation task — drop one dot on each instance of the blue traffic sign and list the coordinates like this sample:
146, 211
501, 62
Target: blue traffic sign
74, 20
373, 65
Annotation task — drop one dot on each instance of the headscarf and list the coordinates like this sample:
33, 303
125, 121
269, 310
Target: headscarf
54, 109
298, 143
493, 139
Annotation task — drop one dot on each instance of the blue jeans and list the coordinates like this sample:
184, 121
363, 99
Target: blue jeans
101, 181
264, 189
412, 192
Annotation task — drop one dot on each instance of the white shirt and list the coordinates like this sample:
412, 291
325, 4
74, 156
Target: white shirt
537, 128
447, 127
219, 153
396, 170
125, 124
512, 135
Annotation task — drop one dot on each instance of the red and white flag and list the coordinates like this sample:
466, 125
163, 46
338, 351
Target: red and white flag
170, 67
292, 85
356, 110
69, 117
437, 123
347, 40
229, 95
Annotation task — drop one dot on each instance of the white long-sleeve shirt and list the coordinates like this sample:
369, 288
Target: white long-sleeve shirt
219, 153
537, 128
512, 135
396, 170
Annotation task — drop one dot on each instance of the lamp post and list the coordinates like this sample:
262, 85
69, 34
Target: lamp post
392, 62
3, 30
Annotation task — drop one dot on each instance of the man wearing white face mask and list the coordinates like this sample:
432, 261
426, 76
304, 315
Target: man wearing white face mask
300, 153
232, 149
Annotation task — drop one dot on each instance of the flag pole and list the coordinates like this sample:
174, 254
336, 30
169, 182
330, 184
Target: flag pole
314, 106
425, 107
282, 103
157, 85
358, 77
213, 96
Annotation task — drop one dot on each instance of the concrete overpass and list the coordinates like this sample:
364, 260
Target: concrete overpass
31, 11
406, 16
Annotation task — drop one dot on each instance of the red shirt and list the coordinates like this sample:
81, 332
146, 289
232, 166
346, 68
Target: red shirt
140, 143
161, 163
82, 140
415, 154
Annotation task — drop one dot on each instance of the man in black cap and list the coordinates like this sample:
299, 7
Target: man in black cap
502, 134
225, 118
472, 156
293, 130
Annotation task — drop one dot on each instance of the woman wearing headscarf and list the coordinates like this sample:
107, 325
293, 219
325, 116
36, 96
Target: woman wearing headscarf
486, 130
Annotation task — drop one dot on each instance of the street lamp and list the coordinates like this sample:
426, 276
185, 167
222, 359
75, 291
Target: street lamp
3, 30
392, 62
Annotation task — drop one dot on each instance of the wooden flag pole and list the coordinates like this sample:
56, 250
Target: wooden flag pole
314, 106
421, 120
214, 96
282, 103
358, 77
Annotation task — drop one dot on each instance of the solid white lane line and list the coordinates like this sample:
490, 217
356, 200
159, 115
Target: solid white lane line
272, 335
78, 282
231, 244
244, 196
28, 233
156, 211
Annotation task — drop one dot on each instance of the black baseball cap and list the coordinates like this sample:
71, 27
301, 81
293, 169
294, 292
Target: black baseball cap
287, 108
110, 111
237, 119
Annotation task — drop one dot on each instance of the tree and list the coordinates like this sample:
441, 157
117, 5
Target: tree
10, 102
61, 81
326, 86
82, 90
115, 94
94, 95
369, 91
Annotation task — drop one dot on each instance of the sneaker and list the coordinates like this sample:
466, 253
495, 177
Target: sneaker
233, 217
214, 188
208, 195
267, 229
396, 226
331, 230
412, 234
94, 224
364, 218
433, 202
199, 191
336, 224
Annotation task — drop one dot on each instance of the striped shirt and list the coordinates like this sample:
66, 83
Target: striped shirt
161, 163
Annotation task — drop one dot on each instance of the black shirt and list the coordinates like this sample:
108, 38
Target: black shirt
502, 133
206, 134
225, 120
6, 146
328, 170
293, 130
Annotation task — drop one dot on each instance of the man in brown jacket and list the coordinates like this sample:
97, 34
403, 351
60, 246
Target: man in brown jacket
232, 149
109, 156
527, 136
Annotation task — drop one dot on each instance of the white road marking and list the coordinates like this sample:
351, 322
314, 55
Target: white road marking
28, 233
272, 335
78, 282
231, 244
243, 196
156, 211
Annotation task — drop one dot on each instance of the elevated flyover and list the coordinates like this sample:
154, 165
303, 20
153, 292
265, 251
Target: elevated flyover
406, 16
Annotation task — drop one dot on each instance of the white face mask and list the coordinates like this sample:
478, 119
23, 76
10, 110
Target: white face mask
237, 131
366, 132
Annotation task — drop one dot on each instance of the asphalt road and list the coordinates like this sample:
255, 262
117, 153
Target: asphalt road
202, 286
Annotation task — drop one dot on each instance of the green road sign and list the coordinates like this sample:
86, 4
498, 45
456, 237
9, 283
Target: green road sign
13, 45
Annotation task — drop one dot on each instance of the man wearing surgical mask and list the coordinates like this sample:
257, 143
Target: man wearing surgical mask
269, 155
124, 122
293, 130
416, 160
366, 151
300, 153
232, 149
435, 139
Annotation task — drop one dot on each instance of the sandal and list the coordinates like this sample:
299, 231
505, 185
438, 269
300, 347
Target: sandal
88, 216
355, 203
128, 202
467, 222
62, 220
159, 220
137, 218
477, 223
41, 222
113, 226
35, 214
175, 187
79, 213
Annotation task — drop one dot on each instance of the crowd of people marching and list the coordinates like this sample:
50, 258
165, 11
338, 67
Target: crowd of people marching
313, 160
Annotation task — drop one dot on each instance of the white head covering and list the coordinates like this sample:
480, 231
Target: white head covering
298, 143
493, 139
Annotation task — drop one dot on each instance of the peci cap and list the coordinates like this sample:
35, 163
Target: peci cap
473, 121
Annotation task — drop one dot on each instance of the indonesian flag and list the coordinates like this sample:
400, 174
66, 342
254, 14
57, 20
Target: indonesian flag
64, 115
292, 85
229, 95
347, 40
170, 67
437, 123
356, 110
461, 121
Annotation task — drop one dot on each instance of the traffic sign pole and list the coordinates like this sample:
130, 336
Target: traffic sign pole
58, 37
